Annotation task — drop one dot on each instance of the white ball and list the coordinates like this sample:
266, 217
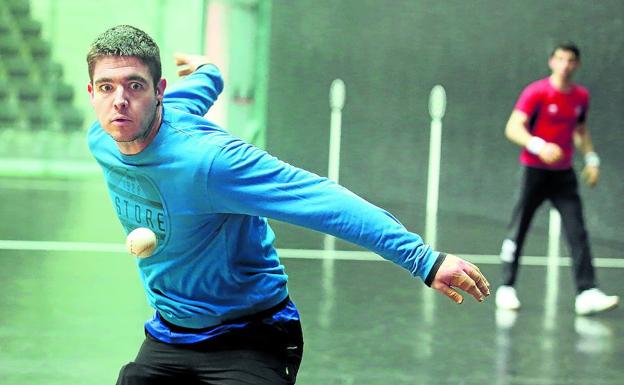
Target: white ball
141, 242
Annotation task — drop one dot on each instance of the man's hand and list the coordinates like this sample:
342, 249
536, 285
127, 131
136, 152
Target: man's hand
590, 175
550, 153
455, 273
189, 63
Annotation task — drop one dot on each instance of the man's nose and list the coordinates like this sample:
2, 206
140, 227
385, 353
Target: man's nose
121, 100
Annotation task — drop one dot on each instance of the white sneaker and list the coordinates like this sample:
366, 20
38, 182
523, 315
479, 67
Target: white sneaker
506, 298
594, 301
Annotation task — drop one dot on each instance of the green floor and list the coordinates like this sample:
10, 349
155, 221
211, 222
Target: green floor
74, 317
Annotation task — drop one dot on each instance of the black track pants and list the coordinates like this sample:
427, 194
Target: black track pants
560, 187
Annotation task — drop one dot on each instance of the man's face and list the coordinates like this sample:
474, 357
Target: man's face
124, 99
563, 63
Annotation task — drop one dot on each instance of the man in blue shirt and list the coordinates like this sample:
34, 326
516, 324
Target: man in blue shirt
223, 314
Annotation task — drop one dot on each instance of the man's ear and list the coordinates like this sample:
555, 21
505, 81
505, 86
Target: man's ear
160, 89
90, 91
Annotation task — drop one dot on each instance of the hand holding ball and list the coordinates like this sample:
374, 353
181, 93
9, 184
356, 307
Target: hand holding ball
141, 242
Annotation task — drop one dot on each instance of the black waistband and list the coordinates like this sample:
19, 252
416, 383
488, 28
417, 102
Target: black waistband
248, 318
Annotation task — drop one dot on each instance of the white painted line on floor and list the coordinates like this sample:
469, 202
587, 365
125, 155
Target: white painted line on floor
49, 184
62, 246
342, 255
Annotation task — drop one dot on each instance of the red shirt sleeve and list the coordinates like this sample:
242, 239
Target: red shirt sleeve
529, 100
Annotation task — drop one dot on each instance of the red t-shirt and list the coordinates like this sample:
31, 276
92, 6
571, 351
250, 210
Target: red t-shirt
553, 116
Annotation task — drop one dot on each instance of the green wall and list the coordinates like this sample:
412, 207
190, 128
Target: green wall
390, 55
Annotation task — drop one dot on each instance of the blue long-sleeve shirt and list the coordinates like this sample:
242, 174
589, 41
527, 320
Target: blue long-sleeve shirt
207, 194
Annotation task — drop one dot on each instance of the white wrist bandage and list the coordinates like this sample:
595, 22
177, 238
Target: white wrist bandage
592, 159
535, 145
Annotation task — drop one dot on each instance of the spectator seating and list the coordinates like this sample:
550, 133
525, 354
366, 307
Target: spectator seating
33, 93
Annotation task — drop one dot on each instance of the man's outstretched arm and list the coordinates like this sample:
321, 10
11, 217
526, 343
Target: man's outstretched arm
246, 180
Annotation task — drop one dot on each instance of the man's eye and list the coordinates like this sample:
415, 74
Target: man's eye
136, 86
105, 87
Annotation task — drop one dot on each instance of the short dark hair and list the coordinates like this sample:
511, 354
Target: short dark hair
567, 46
126, 40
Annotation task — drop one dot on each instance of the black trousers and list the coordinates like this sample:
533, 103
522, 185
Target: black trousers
260, 354
560, 187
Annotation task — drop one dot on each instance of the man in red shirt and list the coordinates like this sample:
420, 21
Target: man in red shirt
547, 121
